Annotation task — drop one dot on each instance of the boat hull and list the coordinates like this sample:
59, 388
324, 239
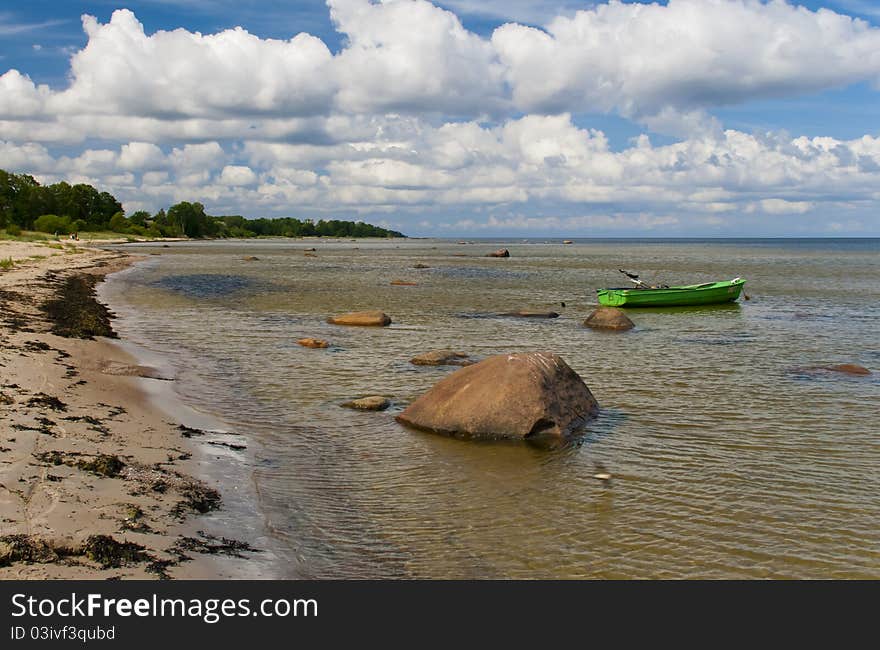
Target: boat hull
710, 293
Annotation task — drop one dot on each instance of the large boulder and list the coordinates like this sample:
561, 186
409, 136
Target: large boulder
532, 396
609, 318
501, 252
362, 318
442, 358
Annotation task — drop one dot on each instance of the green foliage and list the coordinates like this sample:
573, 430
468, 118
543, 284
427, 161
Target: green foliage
52, 223
118, 223
6, 264
66, 208
139, 218
23, 200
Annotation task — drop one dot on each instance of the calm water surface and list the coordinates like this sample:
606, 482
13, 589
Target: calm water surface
729, 460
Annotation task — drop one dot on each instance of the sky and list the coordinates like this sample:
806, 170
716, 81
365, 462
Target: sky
462, 117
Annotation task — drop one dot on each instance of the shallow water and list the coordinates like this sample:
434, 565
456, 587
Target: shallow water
728, 459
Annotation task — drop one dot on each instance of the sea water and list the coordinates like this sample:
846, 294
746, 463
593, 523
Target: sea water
730, 456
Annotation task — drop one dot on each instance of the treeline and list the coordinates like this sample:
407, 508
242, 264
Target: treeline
63, 209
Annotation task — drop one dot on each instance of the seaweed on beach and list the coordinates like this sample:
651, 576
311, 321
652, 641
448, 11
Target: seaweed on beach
100, 465
74, 312
189, 432
111, 554
196, 498
48, 401
29, 549
212, 545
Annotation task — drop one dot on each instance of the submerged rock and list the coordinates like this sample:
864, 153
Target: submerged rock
501, 252
371, 403
314, 343
442, 358
362, 318
849, 369
845, 368
525, 313
531, 396
609, 318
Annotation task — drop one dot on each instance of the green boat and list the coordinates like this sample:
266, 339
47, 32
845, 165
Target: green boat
708, 293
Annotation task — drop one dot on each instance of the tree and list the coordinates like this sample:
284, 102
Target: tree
118, 223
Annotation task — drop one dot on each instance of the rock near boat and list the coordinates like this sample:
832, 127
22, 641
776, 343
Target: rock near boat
609, 318
362, 319
442, 358
532, 396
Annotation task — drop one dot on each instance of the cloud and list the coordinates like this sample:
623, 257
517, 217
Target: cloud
418, 116
640, 60
664, 65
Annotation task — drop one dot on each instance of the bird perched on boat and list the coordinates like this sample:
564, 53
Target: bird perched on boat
601, 473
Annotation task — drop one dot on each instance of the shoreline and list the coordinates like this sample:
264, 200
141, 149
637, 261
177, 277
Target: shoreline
95, 482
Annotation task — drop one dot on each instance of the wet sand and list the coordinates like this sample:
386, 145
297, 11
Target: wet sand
95, 482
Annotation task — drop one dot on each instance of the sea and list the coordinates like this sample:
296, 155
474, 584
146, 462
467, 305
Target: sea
733, 452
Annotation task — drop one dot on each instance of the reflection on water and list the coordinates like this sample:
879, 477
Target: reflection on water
724, 464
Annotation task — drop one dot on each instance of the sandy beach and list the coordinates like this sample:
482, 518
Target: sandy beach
95, 482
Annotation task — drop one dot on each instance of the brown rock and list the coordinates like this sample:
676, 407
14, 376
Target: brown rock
524, 313
250, 258
314, 343
848, 368
531, 396
371, 403
362, 318
309, 255
442, 358
501, 252
609, 318
403, 283
421, 266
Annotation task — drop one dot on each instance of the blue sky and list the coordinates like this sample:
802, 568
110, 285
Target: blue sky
546, 132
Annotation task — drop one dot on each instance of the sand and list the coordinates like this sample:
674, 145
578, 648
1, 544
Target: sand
95, 482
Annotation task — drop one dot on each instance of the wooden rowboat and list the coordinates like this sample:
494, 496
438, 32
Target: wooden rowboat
708, 293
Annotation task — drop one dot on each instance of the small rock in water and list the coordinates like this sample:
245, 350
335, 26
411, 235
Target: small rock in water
362, 318
501, 252
371, 403
403, 283
250, 258
313, 343
421, 266
609, 318
442, 358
